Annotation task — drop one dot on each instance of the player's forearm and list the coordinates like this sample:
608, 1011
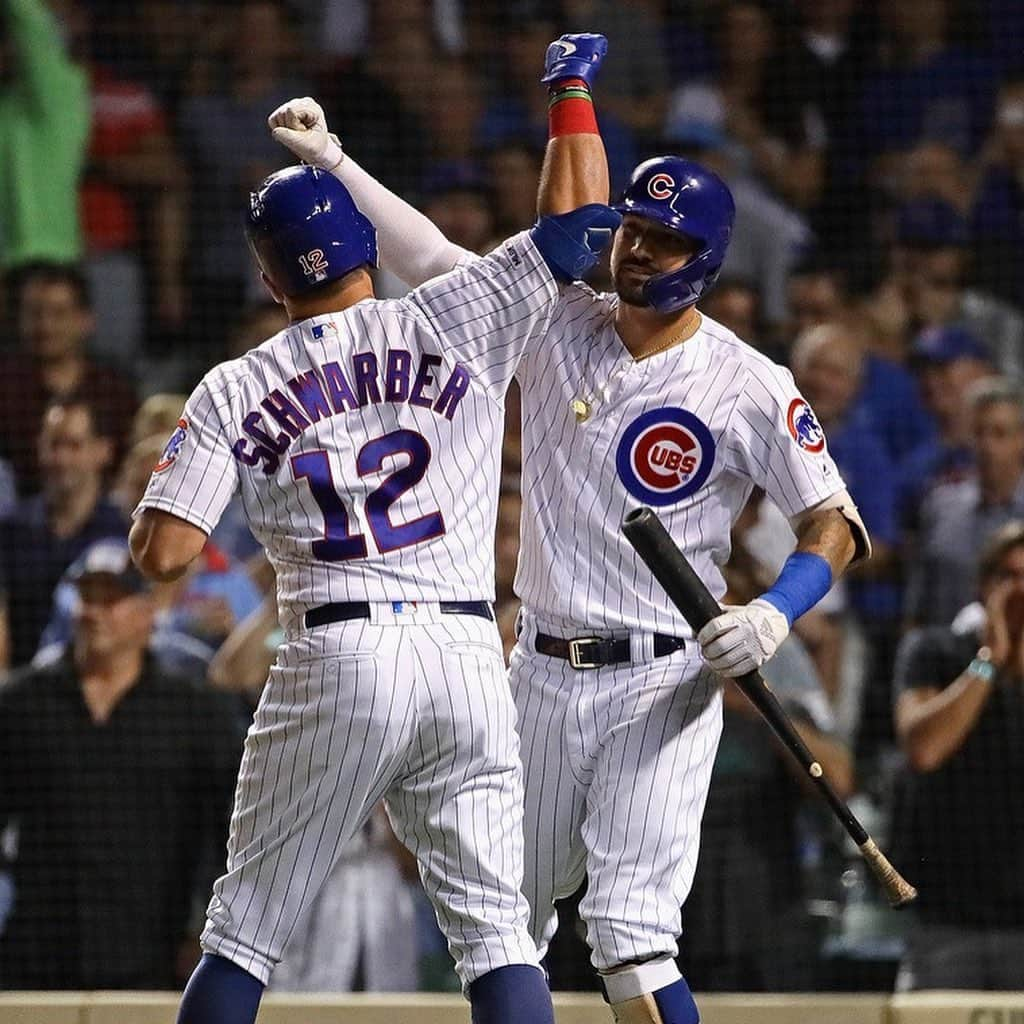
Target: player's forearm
409, 245
575, 173
932, 729
827, 534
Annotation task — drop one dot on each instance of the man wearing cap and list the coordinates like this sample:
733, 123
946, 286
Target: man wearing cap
931, 257
115, 782
948, 362
956, 518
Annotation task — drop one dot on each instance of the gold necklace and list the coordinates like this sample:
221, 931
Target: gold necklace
583, 407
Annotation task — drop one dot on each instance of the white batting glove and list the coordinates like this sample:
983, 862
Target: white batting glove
743, 637
300, 125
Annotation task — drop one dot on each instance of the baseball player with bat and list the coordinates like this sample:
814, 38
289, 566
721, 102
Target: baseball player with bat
630, 398
365, 439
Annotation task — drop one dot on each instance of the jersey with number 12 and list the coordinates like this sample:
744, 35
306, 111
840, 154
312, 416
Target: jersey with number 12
367, 443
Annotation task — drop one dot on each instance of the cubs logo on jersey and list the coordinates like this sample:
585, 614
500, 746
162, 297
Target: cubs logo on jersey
173, 447
804, 427
665, 455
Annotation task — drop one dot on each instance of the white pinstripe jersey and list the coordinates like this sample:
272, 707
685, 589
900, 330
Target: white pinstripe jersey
367, 442
689, 431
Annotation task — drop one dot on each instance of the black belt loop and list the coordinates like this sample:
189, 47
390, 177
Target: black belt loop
596, 652
343, 611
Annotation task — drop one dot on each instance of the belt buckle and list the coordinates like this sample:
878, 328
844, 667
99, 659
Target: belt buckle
577, 657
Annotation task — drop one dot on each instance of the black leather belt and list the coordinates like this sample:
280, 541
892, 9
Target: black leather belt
596, 651
345, 610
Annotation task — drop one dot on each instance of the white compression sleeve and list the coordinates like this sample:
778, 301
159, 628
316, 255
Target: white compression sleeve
409, 245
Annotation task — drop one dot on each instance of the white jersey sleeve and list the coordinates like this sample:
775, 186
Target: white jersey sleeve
487, 310
775, 441
197, 473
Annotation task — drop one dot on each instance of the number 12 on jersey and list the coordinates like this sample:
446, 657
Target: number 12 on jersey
339, 543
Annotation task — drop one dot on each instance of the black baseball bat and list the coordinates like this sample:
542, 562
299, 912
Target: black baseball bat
646, 532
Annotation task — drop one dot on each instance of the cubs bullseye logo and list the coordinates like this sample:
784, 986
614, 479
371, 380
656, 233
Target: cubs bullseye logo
173, 448
661, 185
804, 427
665, 455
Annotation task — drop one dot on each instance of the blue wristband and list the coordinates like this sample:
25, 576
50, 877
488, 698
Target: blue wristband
805, 579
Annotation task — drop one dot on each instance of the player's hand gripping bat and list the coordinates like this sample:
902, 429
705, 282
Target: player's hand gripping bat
645, 531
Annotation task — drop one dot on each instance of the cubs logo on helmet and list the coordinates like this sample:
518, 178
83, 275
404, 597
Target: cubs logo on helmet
687, 198
804, 427
665, 455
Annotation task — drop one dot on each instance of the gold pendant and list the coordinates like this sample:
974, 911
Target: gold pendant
580, 409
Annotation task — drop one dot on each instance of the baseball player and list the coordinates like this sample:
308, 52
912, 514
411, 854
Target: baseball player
365, 441
631, 398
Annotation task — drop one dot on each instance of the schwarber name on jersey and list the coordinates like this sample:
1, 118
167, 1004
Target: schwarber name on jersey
367, 443
689, 431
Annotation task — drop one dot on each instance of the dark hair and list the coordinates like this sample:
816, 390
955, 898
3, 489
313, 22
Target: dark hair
49, 272
95, 408
998, 545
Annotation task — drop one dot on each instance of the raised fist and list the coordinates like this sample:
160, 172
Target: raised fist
574, 56
300, 125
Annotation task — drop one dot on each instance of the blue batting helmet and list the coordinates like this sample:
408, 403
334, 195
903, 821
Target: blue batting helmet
689, 199
306, 230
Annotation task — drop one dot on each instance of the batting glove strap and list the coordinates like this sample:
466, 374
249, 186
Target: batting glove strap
574, 56
572, 242
743, 638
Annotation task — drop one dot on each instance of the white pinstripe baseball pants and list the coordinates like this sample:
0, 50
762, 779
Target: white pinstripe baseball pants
410, 707
617, 764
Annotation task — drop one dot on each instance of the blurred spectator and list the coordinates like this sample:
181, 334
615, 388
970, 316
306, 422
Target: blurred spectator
54, 320
44, 128
634, 80
771, 143
956, 518
256, 324
390, 132
935, 170
455, 95
133, 208
156, 415
931, 266
736, 303
513, 169
748, 926
100, 754
811, 94
458, 201
998, 215
768, 238
45, 533
8, 489
828, 365
225, 130
949, 362
342, 28
519, 110
888, 395
960, 820
924, 86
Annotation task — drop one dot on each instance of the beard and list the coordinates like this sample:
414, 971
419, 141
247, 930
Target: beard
629, 280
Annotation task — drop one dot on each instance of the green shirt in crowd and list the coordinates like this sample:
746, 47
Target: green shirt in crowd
44, 131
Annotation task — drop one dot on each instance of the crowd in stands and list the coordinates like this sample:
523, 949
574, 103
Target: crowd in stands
876, 155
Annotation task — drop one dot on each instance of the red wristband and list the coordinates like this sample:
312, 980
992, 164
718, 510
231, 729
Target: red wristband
571, 111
